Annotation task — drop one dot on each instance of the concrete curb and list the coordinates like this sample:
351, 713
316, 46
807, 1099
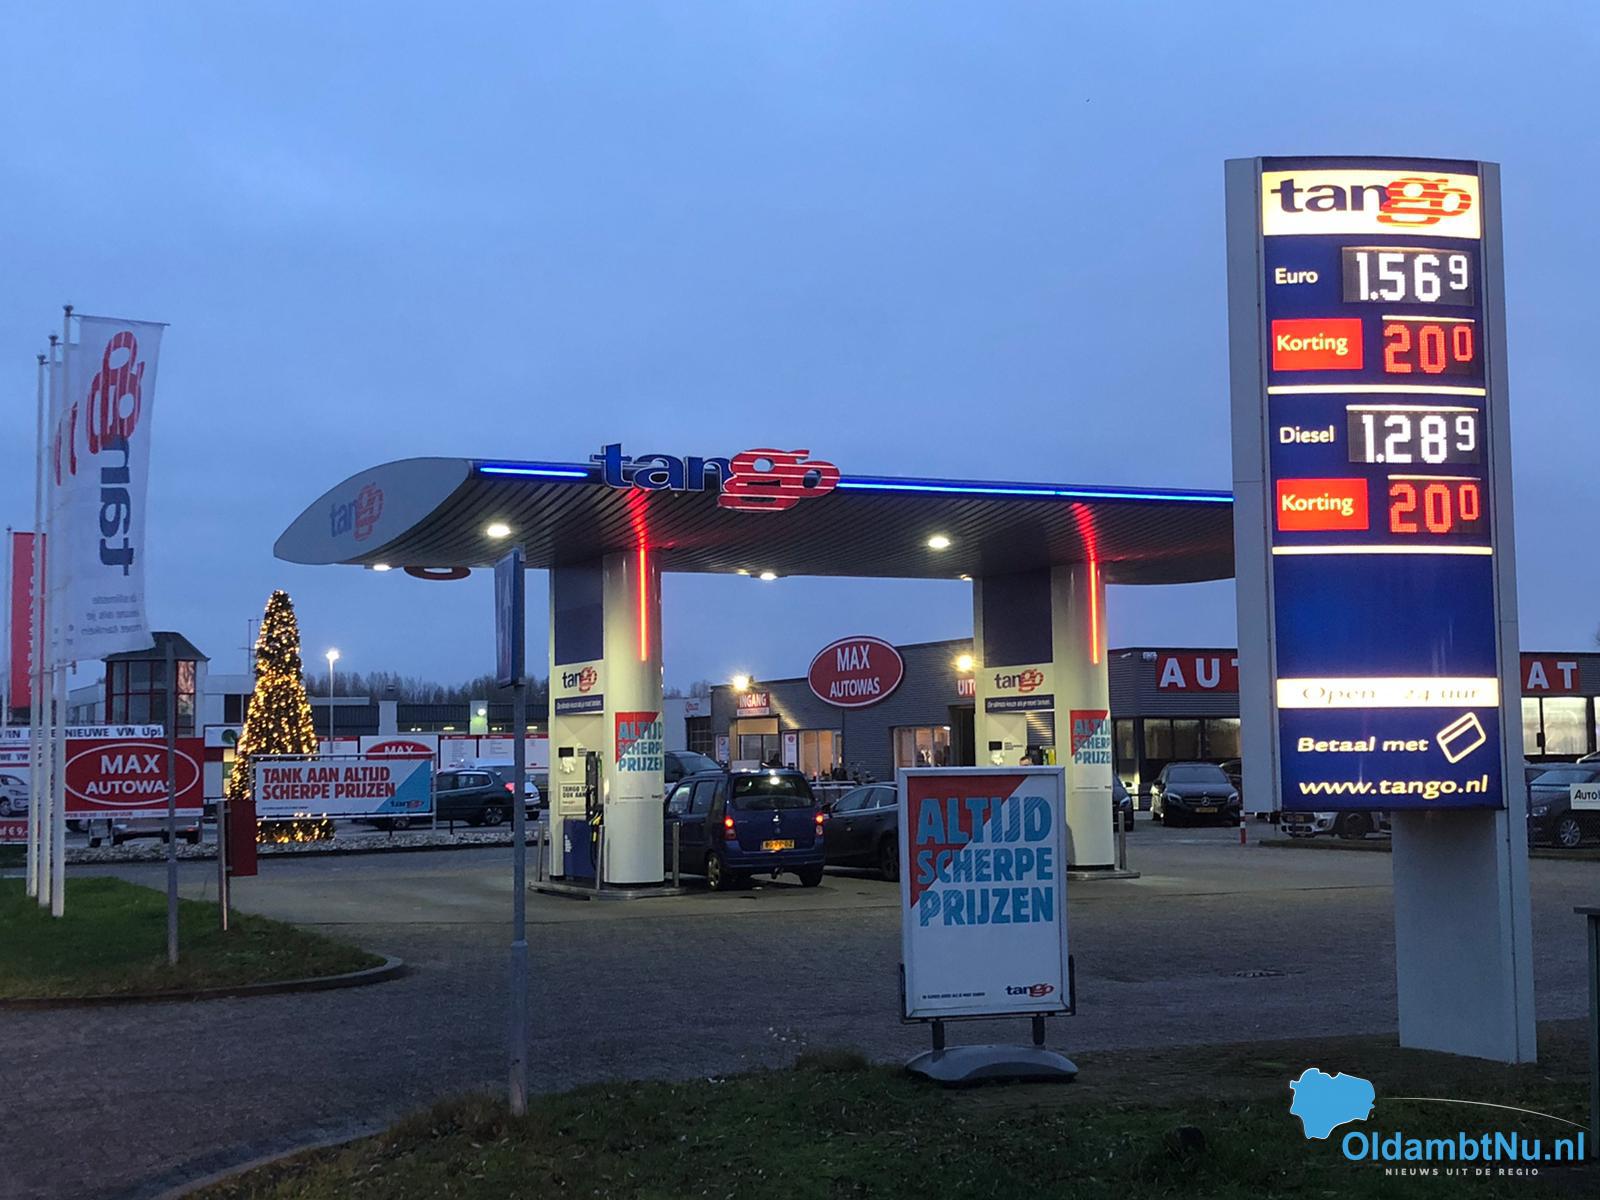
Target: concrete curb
390, 968
85, 856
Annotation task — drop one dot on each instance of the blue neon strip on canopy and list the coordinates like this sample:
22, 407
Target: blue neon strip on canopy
535, 470
959, 488
948, 487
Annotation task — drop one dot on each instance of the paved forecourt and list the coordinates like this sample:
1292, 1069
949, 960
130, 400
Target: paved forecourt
1214, 942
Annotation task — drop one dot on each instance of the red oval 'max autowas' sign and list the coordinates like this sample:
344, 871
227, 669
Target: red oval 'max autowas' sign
856, 671
117, 775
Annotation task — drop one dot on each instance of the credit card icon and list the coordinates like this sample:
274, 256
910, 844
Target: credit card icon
1461, 737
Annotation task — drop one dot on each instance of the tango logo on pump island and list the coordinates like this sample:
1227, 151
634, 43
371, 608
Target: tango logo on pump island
1317, 344
1317, 504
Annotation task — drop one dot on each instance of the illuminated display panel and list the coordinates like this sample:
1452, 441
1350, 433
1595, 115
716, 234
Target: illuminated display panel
1380, 552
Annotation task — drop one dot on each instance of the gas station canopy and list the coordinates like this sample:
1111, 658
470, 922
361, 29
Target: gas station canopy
446, 512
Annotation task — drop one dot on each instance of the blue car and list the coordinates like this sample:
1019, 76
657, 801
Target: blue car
732, 824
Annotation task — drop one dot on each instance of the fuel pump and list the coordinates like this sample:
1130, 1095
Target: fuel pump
593, 807
582, 811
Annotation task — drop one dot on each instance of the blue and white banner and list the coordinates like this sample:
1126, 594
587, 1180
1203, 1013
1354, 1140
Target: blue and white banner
358, 786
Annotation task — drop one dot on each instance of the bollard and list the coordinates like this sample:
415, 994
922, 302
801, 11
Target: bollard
1122, 841
600, 857
1243, 831
677, 850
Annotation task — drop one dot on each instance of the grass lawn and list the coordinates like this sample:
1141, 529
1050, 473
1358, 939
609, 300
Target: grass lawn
835, 1127
114, 939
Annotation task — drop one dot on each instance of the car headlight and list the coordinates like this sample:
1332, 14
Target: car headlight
1540, 810
1233, 797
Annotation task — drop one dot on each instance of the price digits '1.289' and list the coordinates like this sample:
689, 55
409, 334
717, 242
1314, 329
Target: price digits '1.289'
1400, 434
1406, 275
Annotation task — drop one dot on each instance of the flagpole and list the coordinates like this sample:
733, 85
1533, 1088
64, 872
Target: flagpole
37, 713
58, 811
33, 641
5, 687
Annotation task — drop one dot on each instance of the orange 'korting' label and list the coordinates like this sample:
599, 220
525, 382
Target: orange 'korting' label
1317, 504
1317, 344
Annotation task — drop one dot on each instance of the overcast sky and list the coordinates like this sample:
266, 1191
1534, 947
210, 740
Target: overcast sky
978, 239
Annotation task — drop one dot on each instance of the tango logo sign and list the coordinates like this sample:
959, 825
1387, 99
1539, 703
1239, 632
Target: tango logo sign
1388, 200
357, 517
762, 480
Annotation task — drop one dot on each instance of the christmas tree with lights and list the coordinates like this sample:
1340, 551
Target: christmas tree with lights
278, 720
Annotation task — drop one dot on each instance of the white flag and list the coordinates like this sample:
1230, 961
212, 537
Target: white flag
100, 460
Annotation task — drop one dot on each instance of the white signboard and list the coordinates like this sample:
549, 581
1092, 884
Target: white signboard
14, 774
983, 895
348, 787
1584, 797
400, 745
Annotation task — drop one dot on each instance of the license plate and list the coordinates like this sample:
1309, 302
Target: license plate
1206, 808
779, 844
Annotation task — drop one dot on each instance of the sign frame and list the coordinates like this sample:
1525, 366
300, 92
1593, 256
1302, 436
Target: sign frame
996, 996
402, 772
1250, 347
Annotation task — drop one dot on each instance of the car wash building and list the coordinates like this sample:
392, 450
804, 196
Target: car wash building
1038, 556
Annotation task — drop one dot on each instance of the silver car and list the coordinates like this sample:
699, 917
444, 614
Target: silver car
13, 796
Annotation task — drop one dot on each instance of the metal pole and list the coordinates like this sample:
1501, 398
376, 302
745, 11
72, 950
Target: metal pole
58, 789
39, 789
677, 851
330, 706
172, 803
519, 897
1122, 840
35, 774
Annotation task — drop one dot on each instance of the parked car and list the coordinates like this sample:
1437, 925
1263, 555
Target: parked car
1345, 824
1121, 803
732, 824
1187, 791
13, 796
1551, 817
476, 795
127, 829
676, 764
533, 797
863, 829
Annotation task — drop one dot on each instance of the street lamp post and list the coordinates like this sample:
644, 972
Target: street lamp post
332, 656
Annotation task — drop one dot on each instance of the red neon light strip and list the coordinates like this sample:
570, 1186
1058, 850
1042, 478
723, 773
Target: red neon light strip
1094, 612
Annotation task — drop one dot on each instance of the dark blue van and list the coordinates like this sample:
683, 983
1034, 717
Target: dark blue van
732, 824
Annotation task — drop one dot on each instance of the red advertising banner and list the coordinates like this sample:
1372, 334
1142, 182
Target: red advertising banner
121, 771
20, 652
1197, 672
1549, 673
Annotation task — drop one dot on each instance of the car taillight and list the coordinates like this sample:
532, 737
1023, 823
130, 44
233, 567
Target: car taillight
729, 834
822, 818
511, 789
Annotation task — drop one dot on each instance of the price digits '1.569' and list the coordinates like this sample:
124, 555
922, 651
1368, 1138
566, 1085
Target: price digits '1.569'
1406, 275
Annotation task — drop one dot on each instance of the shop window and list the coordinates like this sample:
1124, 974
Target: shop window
1222, 737
760, 747
1127, 748
921, 745
136, 694
698, 737
819, 752
1158, 740
1530, 727
1566, 725
1186, 740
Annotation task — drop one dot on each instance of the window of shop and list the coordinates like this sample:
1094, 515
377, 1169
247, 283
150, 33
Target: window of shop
136, 694
819, 752
1158, 740
1222, 737
234, 708
698, 736
1564, 722
921, 745
760, 747
1127, 748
